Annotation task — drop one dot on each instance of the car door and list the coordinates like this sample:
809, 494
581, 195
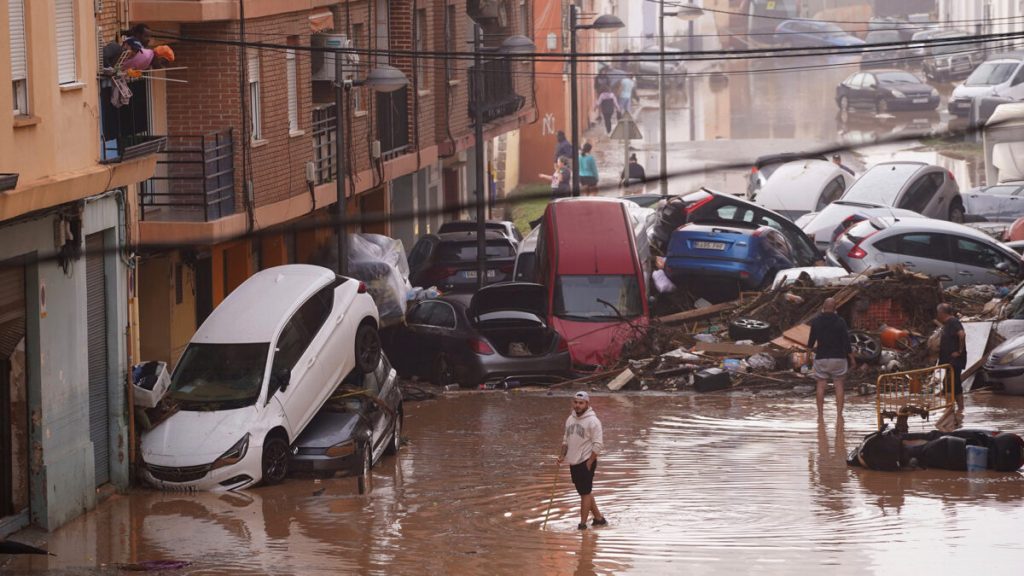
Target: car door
867, 95
923, 252
996, 203
297, 378
377, 410
921, 195
979, 263
430, 332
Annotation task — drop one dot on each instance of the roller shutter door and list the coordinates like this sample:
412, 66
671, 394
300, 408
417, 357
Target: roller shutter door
96, 309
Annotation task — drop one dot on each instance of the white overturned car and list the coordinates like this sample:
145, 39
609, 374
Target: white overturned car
255, 373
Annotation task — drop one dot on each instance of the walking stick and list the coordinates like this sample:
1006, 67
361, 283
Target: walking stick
551, 500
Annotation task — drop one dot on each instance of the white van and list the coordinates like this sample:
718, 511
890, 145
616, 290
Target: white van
1001, 75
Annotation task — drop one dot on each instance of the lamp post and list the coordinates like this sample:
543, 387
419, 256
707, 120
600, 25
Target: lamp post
516, 44
383, 79
690, 13
603, 23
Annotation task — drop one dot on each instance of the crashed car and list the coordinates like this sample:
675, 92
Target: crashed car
254, 375
1004, 368
501, 334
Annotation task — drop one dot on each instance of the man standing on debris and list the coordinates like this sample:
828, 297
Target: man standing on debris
953, 349
830, 340
581, 443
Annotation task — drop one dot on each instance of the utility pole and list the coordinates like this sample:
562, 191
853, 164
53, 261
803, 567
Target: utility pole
574, 112
478, 134
339, 160
662, 101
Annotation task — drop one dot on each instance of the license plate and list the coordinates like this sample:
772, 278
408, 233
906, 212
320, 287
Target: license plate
471, 274
920, 100
709, 245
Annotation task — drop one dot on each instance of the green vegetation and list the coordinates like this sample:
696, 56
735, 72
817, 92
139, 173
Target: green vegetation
527, 203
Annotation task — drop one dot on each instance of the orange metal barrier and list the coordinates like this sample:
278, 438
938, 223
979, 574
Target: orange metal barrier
902, 394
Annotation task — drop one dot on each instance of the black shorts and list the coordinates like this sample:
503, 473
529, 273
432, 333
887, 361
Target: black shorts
588, 180
583, 477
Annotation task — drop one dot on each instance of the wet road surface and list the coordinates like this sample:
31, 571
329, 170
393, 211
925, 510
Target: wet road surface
696, 484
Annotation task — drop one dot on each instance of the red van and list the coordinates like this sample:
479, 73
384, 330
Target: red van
588, 260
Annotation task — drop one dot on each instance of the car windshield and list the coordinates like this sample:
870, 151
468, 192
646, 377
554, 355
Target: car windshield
953, 46
461, 226
466, 251
897, 78
579, 297
219, 376
991, 74
881, 184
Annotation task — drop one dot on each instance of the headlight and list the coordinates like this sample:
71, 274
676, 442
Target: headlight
234, 454
1011, 357
898, 94
345, 448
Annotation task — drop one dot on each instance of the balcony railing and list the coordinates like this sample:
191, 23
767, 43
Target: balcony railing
324, 136
124, 131
493, 87
393, 122
195, 179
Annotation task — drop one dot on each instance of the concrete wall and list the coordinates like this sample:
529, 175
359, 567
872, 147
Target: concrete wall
63, 476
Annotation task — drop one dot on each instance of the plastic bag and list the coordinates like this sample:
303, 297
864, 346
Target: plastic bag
380, 262
761, 362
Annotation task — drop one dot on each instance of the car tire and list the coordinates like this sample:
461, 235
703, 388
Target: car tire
365, 479
866, 348
882, 106
442, 373
396, 435
368, 348
750, 329
844, 105
956, 212
274, 460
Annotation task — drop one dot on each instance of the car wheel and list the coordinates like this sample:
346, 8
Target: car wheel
844, 104
366, 470
367, 348
866, 348
956, 213
882, 106
750, 329
442, 373
275, 459
396, 437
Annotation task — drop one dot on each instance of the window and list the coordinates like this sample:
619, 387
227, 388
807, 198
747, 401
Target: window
579, 297
300, 332
383, 23
976, 254
19, 59
931, 246
255, 115
434, 313
293, 97
67, 59
524, 18
920, 193
358, 41
219, 376
831, 193
420, 46
451, 25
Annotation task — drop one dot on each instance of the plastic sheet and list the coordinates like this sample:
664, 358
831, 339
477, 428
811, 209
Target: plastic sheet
380, 262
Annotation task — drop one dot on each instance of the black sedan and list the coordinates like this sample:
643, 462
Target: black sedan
360, 423
885, 90
501, 335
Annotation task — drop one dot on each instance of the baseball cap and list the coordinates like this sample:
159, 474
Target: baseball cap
582, 396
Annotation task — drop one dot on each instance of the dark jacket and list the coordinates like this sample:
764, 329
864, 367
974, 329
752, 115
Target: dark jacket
950, 343
564, 148
830, 337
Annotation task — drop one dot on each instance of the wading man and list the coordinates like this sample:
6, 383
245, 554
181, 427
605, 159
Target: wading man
581, 444
953, 349
830, 340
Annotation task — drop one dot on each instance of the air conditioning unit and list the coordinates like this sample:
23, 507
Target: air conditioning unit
322, 61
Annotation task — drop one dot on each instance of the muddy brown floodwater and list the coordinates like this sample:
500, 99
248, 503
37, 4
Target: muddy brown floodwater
692, 484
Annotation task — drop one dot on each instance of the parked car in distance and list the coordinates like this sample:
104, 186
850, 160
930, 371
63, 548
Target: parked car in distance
803, 186
954, 253
1004, 368
255, 373
887, 56
646, 200
504, 226
813, 34
359, 423
525, 269
999, 203
647, 67
1000, 75
500, 333
449, 261
885, 90
913, 187
588, 259
944, 62
765, 166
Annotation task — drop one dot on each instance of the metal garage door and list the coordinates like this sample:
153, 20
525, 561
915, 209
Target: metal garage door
96, 308
12, 330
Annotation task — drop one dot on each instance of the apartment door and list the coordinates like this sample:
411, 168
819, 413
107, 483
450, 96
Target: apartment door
373, 205
99, 396
14, 433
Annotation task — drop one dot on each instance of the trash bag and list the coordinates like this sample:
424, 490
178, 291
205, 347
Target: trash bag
670, 217
761, 361
380, 262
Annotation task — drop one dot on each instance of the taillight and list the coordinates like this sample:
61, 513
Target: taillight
480, 346
693, 207
440, 274
951, 177
362, 288
753, 169
506, 268
856, 252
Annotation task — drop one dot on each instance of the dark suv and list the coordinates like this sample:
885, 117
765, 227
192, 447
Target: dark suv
449, 261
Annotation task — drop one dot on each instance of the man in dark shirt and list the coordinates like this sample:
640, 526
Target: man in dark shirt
953, 349
830, 340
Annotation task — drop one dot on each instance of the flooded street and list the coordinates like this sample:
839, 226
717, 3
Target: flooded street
690, 483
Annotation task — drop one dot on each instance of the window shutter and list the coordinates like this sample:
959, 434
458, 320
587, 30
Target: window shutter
254, 68
67, 57
293, 98
16, 20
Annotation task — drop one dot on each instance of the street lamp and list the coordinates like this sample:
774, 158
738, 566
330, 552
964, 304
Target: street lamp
688, 12
603, 23
384, 78
516, 44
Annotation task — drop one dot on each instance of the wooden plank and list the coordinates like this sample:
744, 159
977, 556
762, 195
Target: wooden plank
705, 312
794, 338
621, 380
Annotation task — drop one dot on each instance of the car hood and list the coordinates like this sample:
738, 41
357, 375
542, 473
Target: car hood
518, 296
328, 429
194, 438
911, 89
595, 343
1005, 348
962, 91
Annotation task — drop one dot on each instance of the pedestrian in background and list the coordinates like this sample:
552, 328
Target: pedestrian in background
838, 161
830, 340
562, 147
633, 176
588, 170
953, 350
626, 86
608, 105
582, 443
561, 179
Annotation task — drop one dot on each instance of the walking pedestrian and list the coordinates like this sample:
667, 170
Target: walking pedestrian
838, 161
626, 86
562, 146
953, 349
608, 105
588, 170
561, 179
830, 340
582, 442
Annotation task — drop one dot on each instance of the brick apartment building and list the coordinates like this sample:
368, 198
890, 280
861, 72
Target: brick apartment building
247, 180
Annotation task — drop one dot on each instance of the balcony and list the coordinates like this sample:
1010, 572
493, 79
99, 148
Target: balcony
124, 131
324, 135
194, 181
493, 86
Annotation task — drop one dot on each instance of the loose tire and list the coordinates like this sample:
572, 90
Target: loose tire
275, 459
866, 348
750, 329
396, 436
366, 469
367, 348
956, 213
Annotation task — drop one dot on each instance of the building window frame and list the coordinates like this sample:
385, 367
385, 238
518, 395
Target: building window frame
292, 81
356, 93
18, 38
65, 41
255, 104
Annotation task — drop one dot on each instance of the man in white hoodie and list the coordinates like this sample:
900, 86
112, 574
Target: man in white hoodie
581, 443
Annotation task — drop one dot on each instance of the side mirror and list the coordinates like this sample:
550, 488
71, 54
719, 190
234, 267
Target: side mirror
1003, 267
282, 378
